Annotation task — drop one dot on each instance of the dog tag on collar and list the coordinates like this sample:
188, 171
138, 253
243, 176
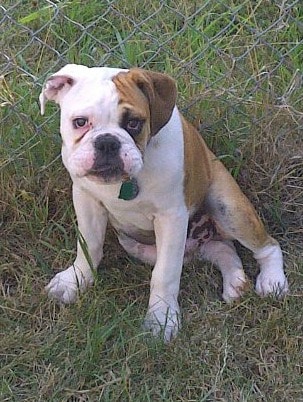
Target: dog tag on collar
129, 190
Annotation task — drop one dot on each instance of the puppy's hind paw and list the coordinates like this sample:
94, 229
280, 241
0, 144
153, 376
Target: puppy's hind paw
271, 280
235, 286
271, 284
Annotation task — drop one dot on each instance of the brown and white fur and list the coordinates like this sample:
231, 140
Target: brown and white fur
118, 125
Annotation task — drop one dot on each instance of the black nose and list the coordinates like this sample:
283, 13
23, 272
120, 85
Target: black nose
107, 144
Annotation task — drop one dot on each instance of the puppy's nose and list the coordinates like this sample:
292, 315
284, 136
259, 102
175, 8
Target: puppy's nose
107, 144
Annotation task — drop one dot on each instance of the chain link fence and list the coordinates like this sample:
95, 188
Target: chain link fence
238, 66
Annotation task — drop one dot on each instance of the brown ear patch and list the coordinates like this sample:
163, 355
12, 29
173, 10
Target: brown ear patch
159, 90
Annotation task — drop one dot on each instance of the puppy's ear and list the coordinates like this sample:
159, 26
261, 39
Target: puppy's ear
55, 87
161, 92
60, 83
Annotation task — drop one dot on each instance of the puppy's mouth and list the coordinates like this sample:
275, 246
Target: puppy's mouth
107, 173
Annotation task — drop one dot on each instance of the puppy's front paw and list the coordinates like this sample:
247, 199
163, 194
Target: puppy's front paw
66, 285
163, 321
270, 282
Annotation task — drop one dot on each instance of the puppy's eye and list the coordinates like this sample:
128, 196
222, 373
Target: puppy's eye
80, 122
134, 126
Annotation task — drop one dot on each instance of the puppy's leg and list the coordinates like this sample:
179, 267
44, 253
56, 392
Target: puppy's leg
237, 219
271, 278
223, 254
92, 221
143, 252
163, 310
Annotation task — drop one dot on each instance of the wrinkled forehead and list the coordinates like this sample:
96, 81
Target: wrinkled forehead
94, 90
91, 92
101, 92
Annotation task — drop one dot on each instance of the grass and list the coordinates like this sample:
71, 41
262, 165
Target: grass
239, 71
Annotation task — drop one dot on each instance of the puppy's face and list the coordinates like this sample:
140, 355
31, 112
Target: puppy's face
108, 117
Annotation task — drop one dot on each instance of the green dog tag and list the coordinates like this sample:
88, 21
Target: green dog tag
129, 190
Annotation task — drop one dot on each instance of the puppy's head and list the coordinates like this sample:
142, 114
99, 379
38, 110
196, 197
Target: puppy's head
108, 116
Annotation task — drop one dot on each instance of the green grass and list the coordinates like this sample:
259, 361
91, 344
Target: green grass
240, 81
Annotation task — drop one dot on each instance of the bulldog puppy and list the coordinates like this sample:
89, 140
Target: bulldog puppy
137, 163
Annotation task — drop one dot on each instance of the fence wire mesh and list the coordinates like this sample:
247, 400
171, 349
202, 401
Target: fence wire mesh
238, 64
233, 50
